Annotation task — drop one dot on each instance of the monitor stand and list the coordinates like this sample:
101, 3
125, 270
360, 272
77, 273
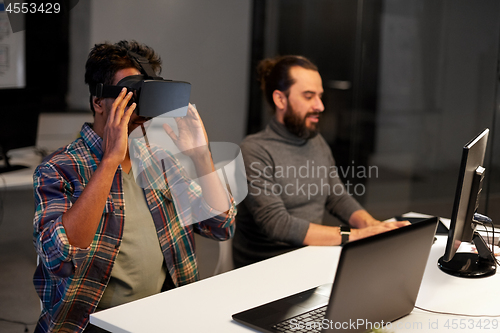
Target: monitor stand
471, 265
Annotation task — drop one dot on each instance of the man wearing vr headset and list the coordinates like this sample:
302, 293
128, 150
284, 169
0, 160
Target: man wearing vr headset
101, 238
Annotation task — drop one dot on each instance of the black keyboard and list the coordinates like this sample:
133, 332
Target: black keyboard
306, 322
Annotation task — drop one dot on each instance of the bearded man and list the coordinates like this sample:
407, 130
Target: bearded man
291, 173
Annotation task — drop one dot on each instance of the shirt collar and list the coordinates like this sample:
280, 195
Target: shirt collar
93, 141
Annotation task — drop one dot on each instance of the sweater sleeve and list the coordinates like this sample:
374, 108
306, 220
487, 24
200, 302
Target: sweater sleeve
268, 209
340, 205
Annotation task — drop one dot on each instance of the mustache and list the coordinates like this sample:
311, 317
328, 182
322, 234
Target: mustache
313, 114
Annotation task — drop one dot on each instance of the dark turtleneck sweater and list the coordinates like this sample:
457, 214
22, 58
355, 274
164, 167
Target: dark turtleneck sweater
291, 181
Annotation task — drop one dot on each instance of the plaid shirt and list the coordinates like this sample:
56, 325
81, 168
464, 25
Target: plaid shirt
70, 281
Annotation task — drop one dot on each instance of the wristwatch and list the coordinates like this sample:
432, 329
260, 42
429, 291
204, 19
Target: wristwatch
345, 232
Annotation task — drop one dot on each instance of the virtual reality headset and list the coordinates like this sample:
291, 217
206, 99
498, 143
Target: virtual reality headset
153, 95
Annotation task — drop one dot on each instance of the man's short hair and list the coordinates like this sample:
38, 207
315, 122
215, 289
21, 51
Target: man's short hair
106, 59
274, 74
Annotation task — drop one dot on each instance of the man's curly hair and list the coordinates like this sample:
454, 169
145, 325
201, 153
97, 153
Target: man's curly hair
106, 59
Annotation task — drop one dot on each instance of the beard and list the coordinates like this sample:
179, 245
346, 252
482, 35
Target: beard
297, 125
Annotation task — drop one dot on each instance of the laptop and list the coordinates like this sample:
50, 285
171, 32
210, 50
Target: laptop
377, 282
442, 229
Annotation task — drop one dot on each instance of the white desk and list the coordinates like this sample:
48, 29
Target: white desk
207, 305
54, 130
22, 178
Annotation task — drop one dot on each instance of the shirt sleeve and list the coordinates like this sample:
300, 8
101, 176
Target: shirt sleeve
219, 226
53, 197
268, 210
190, 204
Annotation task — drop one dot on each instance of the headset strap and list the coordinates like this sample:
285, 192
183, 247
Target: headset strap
105, 91
146, 68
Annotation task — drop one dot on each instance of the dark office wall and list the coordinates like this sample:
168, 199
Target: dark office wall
342, 38
204, 42
437, 77
419, 79
46, 67
438, 89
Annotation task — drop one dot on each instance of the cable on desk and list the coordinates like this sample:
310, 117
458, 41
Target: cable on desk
456, 314
490, 242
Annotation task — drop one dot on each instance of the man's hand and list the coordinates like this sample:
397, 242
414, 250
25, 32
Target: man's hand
192, 140
362, 219
326, 235
82, 219
116, 129
376, 229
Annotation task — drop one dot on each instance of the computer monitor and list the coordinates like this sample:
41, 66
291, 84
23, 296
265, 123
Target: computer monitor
462, 227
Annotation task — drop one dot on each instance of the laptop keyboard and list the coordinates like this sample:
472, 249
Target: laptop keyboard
306, 322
